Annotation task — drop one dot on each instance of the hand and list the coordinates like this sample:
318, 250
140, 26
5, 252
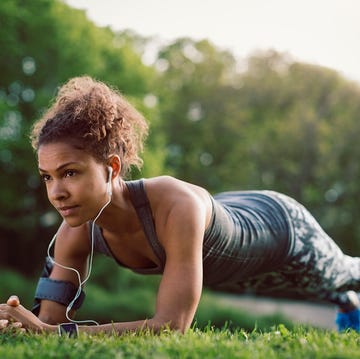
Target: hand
14, 315
8, 325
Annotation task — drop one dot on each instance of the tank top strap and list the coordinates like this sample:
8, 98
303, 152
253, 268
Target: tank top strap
143, 210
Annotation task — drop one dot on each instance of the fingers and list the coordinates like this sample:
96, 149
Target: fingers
3, 323
13, 301
17, 325
6, 325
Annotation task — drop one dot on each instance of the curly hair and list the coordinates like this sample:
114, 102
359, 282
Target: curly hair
91, 115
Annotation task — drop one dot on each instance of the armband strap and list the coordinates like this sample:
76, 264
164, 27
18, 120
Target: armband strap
59, 291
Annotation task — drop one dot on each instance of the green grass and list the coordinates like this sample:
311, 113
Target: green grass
124, 296
277, 343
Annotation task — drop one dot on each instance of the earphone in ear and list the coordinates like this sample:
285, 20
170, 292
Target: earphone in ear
110, 173
108, 188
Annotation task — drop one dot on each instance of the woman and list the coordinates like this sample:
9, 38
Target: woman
259, 240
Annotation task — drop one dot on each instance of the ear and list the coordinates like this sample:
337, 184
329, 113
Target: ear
115, 163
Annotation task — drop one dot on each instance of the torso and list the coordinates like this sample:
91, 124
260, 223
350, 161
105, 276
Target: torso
133, 250
249, 239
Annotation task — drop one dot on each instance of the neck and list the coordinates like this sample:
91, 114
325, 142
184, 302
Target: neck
119, 213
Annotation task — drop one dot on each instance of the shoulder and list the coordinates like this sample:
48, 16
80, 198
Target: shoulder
162, 181
173, 185
175, 202
168, 191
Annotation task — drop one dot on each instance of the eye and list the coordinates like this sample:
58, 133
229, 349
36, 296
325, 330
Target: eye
69, 173
45, 177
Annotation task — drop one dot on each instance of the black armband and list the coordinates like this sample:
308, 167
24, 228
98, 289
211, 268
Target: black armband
59, 291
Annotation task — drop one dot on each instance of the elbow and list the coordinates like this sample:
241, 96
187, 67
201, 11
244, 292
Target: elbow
177, 326
181, 325
174, 324
182, 328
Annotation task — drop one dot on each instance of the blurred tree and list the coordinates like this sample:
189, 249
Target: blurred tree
194, 90
303, 139
268, 122
44, 43
263, 122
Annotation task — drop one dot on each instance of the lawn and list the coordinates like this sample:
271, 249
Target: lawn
233, 333
279, 342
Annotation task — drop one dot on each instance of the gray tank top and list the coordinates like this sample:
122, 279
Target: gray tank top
142, 206
249, 234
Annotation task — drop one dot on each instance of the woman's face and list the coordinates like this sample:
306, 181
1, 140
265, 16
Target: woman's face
75, 181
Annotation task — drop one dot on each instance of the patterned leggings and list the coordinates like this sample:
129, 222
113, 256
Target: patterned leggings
317, 270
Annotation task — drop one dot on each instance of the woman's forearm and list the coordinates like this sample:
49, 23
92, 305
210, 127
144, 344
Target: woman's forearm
116, 328
119, 328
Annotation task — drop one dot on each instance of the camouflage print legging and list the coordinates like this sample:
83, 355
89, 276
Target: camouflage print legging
317, 270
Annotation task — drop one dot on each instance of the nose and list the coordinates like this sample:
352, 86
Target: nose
57, 191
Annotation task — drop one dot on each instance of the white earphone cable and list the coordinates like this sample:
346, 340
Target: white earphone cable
81, 283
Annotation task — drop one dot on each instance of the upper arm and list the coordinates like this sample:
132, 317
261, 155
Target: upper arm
71, 250
181, 285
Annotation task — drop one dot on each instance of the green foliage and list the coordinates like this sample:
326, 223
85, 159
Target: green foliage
13, 283
277, 124
264, 122
38, 53
278, 343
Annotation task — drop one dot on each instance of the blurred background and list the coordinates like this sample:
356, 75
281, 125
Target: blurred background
257, 117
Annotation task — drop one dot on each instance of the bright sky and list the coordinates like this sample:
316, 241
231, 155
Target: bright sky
323, 32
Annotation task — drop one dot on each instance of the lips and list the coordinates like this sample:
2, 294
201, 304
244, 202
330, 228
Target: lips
66, 211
